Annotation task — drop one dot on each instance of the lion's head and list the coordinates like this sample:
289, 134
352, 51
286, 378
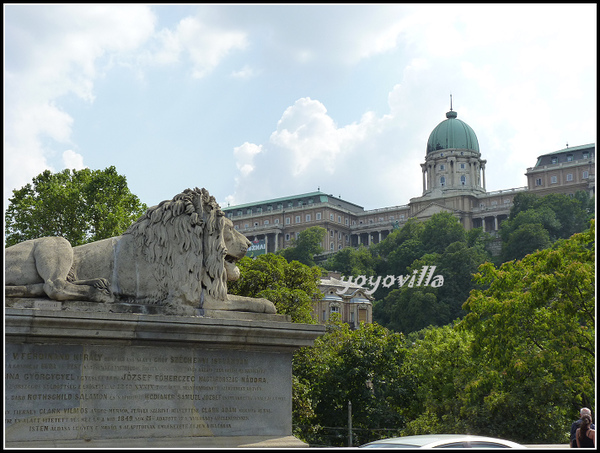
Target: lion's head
192, 245
236, 245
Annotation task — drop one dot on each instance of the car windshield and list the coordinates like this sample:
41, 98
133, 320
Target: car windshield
480, 444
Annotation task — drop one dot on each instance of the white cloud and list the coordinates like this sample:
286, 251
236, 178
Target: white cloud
61, 50
499, 90
245, 73
523, 76
205, 46
73, 160
308, 134
308, 150
245, 157
54, 51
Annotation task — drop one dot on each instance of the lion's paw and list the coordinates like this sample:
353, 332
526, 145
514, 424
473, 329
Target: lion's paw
269, 307
103, 292
104, 297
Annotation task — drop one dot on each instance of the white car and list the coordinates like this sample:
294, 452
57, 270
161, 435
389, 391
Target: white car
442, 441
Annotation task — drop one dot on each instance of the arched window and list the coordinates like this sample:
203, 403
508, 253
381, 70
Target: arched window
443, 181
463, 180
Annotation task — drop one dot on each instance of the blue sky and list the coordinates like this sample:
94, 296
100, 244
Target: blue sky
255, 102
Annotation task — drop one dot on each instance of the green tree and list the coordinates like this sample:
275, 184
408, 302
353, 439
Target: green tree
398, 250
440, 231
80, 205
292, 287
543, 216
522, 202
586, 202
352, 262
401, 258
533, 343
438, 362
411, 308
411, 230
536, 222
306, 246
571, 213
361, 366
476, 237
525, 239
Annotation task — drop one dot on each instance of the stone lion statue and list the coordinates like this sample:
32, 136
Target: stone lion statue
179, 254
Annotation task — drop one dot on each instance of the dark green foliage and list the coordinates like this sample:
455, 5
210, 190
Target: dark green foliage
352, 261
523, 355
306, 246
536, 222
533, 343
361, 366
440, 231
292, 287
408, 310
525, 239
441, 242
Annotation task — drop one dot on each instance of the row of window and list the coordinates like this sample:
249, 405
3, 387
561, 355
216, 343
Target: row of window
334, 309
554, 178
585, 155
495, 203
308, 218
269, 208
463, 180
462, 166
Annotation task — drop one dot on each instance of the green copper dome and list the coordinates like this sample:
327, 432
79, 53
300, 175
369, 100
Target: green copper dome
452, 133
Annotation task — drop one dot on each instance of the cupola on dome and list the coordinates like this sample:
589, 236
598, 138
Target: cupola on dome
452, 133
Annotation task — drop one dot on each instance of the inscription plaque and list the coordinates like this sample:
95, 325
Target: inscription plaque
58, 391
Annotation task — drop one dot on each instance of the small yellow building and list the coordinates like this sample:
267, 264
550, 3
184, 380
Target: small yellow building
349, 300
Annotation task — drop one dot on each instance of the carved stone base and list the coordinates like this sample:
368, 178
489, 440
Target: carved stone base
185, 442
134, 308
91, 379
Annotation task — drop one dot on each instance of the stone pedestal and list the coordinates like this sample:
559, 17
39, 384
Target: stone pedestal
91, 379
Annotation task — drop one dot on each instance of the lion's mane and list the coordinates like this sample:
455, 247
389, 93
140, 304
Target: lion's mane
183, 240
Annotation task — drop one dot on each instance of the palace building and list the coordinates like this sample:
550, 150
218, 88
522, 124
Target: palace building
453, 181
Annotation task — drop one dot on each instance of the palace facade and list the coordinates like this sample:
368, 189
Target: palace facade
453, 181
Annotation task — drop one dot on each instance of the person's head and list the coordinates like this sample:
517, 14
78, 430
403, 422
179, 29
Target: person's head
584, 411
586, 421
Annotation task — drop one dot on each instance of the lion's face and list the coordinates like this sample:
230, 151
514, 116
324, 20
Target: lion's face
237, 246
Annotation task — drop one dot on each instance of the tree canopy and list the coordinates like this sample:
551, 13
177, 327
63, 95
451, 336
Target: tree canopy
306, 246
522, 343
352, 261
80, 205
525, 345
536, 222
362, 367
441, 242
438, 363
534, 338
292, 286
